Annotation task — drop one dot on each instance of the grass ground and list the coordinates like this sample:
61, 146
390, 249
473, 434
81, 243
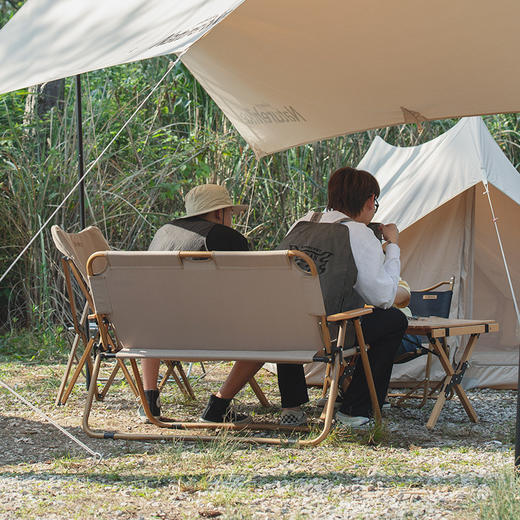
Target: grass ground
460, 470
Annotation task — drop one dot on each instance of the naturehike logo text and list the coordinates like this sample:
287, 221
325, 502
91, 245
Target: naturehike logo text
268, 115
201, 28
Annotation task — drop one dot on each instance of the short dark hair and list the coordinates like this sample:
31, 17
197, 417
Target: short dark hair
349, 189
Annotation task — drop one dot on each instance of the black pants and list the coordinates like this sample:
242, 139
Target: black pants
383, 331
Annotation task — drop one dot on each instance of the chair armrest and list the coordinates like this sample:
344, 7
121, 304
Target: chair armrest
348, 315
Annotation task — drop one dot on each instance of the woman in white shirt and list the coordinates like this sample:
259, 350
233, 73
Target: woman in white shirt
352, 202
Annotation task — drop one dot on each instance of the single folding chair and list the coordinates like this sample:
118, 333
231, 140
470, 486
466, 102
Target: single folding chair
76, 248
229, 306
425, 303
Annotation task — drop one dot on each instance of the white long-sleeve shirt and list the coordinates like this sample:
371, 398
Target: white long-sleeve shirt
378, 273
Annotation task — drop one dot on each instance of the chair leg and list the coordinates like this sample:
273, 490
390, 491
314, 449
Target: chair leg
427, 382
368, 371
90, 394
73, 354
326, 381
258, 392
164, 380
82, 361
420, 390
128, 377
172, 365
101, 395
186, 380
179, 427
176, 371
68, 368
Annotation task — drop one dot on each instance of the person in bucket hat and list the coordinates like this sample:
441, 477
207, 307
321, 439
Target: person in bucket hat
208, 198
206, 226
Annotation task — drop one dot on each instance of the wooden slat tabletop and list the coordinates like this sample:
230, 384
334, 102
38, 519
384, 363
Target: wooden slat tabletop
443, 327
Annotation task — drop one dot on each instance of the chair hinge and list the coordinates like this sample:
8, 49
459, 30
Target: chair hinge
329, 358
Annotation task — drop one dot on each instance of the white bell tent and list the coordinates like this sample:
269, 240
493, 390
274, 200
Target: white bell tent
441, 195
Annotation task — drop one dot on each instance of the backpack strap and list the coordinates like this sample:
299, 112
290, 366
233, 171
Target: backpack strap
316, 217
341, 219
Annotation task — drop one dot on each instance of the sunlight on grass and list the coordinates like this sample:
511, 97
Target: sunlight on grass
503, 502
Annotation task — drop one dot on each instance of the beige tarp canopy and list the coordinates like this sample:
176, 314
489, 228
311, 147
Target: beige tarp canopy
292, 71
436, 193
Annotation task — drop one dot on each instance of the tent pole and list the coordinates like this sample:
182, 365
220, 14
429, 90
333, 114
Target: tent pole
81, 186
81, 164
515, 303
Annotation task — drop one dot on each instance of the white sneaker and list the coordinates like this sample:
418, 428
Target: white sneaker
324, 400
343, 419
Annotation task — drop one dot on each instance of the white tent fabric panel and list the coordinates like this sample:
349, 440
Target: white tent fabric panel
290, 72
495, 361
431, 252
52, 39
442, 168
287, 73
436, 194
457, 237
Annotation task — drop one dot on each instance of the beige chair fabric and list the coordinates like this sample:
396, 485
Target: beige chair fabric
249, 306
76, 248
79, 246
198, 306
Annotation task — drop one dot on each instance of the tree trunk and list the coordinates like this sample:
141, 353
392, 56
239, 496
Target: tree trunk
42, 98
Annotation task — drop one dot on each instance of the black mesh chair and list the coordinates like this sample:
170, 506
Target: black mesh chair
425, 303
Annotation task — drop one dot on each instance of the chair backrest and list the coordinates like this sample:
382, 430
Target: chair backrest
432, 303
209, 305
79, 246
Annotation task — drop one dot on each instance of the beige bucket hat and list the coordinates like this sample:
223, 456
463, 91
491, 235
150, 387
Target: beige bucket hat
209, 197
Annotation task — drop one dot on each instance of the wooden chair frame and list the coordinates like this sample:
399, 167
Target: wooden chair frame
69, 268
81, 336
330, 355
426, 389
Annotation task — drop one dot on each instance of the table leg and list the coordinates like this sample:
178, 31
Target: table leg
445, 362
439, 403
457, 387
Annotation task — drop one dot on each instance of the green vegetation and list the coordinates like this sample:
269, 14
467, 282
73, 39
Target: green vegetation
46, 346
179, 139
503, 501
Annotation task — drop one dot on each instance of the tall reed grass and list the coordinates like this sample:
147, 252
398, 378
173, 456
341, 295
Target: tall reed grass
178, 140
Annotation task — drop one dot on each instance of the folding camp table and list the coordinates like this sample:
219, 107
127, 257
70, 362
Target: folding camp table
435, 329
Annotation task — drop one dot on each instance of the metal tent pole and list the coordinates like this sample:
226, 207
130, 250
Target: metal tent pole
81, 163
81, 186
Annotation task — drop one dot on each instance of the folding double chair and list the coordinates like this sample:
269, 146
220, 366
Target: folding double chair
222, 306
425, 303
76, 248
